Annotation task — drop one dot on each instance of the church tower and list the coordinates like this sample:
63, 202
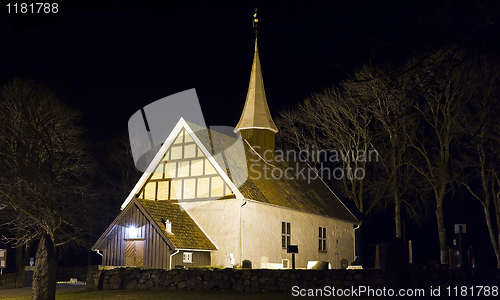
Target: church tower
256, 125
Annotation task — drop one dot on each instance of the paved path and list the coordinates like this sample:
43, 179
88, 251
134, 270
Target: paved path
27, 290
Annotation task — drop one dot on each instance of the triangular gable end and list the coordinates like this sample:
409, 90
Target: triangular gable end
184, 174
123, 214
182, 157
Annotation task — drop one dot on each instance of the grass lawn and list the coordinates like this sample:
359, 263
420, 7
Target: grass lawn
88, 294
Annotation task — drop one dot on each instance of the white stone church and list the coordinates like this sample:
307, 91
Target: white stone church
205, 202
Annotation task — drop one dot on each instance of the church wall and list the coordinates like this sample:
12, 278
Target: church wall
262, 236
220, 220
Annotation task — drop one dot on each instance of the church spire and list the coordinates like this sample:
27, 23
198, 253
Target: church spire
256, 111
256, 124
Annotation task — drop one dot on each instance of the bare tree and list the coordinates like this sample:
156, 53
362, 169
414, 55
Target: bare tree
385, 93
481, 155
441, 96
334, 129
44, 176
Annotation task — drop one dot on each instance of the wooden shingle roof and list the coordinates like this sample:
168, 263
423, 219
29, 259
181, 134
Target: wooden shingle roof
243, 167
186, 234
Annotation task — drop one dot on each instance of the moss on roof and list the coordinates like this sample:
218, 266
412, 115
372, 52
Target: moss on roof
312, 196
186, 234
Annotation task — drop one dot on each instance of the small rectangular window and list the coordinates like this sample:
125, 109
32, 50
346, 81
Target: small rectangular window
322, 239
187, 257
286, 232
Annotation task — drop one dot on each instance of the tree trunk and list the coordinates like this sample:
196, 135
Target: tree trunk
19, 263
443, 242
44, 279
491, 232
397, 216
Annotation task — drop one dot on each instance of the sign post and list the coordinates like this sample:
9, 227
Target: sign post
294, 249
3, 263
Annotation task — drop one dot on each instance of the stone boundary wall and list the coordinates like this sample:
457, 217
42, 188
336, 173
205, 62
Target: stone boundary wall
260, 280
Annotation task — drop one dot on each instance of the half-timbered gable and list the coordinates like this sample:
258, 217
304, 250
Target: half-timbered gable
184, 173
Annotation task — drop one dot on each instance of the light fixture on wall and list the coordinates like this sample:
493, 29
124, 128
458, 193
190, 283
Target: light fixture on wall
132, 232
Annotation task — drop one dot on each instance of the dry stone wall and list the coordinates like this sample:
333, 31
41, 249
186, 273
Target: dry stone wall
259, 280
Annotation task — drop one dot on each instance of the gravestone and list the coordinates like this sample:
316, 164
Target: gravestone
246, 264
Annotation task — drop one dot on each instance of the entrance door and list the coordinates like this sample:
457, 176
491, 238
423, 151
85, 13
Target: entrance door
134, 253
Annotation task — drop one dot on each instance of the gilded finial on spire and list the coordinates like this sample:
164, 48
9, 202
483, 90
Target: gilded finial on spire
255, 23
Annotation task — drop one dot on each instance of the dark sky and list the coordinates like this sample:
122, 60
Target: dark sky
110, 58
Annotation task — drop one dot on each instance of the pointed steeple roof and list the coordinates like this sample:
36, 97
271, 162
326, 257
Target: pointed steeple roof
256, 113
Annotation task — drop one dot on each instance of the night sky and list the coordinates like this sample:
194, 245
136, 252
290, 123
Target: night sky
110, 58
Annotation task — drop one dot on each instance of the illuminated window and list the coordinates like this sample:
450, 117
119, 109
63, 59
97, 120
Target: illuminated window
286, 232
187, 257
322, 239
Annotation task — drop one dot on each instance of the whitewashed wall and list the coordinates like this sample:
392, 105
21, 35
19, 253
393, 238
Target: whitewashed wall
262, 233
262, 236
220, 220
